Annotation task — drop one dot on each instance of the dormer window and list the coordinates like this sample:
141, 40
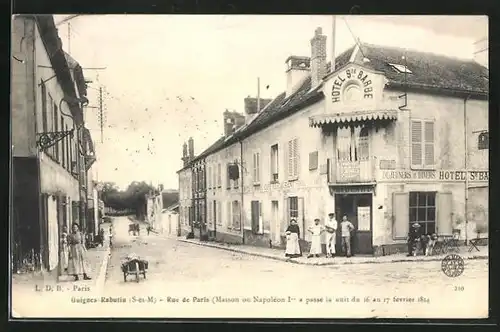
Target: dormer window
400, 68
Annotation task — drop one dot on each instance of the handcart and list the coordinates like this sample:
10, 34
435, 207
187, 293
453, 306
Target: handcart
134, 266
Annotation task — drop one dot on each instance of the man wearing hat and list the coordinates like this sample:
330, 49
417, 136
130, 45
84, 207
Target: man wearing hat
331, 232
413, 237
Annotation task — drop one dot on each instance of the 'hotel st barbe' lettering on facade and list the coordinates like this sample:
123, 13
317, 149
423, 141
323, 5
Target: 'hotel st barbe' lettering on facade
349, 75
443, 175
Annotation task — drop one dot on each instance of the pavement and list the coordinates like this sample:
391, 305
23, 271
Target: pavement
278, 254
187, 280
31, 285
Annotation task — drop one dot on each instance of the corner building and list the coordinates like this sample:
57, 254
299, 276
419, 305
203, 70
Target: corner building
387, 137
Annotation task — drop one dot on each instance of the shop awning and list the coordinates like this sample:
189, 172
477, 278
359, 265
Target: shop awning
349, 117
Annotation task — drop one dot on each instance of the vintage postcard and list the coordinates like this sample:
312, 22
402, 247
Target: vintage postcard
246, 166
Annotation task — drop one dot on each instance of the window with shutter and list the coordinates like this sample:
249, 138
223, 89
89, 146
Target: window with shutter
400, 217
416, 143
444, 213
229, 222
228, 177
256, 168
290, 159
429, 143
219, 175
209, 184
274, 163
295, 157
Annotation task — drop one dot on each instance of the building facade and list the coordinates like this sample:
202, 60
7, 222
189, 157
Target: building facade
47, 134
385, 136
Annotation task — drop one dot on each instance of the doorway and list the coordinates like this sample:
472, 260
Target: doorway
275, 222
358, 209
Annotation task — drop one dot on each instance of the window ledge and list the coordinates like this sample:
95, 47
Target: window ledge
293, 179
256, 184
274, 182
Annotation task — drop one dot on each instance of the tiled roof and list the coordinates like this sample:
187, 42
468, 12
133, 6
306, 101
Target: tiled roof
428, 70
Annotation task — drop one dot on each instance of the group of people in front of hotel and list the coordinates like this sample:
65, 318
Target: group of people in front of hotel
330, 227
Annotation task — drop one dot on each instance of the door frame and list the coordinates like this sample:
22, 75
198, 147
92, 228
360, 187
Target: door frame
275, 220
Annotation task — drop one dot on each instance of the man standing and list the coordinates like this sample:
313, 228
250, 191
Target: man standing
346, 228
331, 232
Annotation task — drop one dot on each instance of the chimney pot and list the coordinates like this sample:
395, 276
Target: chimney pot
298, 68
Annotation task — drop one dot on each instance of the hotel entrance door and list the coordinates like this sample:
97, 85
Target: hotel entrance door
358, 209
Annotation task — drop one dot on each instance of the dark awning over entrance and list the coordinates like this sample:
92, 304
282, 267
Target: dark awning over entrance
352, 117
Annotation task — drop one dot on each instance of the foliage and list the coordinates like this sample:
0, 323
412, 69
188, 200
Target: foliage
134, 197
481, 228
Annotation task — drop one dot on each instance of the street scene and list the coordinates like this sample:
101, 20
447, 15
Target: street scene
352, 183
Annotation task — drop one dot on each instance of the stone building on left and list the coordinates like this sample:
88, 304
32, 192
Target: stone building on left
52, 151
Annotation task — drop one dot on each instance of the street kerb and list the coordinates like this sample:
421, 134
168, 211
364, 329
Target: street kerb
101, 277
360, 260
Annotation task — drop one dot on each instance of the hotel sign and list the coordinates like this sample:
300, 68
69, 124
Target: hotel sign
434, 175
351, 76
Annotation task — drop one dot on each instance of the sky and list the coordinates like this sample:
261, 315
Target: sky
170, 77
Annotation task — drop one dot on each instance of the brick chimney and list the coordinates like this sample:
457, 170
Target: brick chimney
318, 57
251, 107
232, 121
298, 68
190, 148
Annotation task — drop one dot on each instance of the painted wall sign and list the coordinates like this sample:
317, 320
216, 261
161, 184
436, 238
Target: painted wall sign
340, 189
352, 76
348, 170
433, 175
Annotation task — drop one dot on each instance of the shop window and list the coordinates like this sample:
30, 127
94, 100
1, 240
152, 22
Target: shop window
423, 210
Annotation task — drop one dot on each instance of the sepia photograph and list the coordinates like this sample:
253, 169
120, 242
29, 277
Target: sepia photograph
249, 166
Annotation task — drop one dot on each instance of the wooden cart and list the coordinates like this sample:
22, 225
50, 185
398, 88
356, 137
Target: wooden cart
135, 267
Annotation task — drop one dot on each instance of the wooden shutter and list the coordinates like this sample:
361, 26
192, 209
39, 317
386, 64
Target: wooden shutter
400, 215
416, 143
444, 213
296, 158
429, 143
255, 216
286, 215
289, 159
301, 219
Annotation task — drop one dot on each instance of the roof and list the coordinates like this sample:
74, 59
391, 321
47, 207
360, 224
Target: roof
53, 45
172, 207
78, 75
212, 148
428, 70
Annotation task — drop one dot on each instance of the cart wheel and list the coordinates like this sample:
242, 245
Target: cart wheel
124, 277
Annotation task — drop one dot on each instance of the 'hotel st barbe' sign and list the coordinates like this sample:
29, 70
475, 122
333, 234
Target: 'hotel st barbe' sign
352, 76
435, 175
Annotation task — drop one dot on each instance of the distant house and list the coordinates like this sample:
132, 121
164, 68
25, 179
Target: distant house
170, 219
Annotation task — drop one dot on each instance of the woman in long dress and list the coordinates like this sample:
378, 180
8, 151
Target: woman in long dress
64, 249
292, 240
77, 263
315, 231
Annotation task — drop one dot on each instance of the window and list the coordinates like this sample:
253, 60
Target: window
56, 128
68, 151
423, 210
363, 145
293, 208
45, 125
63, 143
219, 214
313, 160
219, 175
293, 159
353, 144
209, 177
214, 177
401, 68
236, 215
422, 144
256, 217
228, 177
256, 168
274, 163
228, 215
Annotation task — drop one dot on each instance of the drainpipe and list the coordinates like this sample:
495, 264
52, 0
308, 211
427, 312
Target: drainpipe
466, 163
242, 194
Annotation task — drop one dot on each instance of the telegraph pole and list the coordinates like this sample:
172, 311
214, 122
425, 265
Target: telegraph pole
101, 115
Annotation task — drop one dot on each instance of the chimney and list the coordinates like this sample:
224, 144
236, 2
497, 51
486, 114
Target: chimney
481, 52
296, 71
190, 148
185, 158
318, 57
232, 121
251, 107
